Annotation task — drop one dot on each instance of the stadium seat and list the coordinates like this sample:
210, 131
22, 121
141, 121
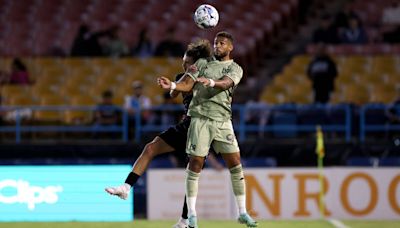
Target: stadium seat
389, 161
362, 161
261, 162
312, 115
284, 121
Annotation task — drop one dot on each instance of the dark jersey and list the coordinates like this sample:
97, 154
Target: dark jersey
187, 97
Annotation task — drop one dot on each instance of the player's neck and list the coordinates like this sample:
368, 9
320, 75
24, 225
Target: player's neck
225, 58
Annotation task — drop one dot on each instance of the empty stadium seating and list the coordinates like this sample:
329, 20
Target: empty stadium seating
362, 79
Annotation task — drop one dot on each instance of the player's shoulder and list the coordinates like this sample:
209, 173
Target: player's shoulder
235, 66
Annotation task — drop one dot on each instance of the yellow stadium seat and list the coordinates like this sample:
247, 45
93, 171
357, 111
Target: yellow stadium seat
21, 100
80, 116
357, 94
50, 115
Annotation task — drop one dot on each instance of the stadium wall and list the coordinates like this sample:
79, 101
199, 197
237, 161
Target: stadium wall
349, 193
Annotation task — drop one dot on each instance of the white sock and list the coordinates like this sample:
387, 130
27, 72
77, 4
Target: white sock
182, 220
126, 186
191, 204
241, 203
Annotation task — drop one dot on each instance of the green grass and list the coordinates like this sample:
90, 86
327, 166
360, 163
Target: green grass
205, 224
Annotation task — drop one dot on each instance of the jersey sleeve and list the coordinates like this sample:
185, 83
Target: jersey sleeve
194, 70
235, 73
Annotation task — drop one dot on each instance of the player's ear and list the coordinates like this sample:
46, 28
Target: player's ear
230, 46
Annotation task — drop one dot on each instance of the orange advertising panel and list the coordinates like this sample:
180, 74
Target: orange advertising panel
348, 193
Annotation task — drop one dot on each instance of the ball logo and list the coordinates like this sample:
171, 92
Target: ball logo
20, 191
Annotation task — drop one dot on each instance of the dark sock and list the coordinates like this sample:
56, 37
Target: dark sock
184, 210
132, 178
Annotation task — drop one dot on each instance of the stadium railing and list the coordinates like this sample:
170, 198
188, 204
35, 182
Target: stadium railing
281, 120
373, 119
19, 127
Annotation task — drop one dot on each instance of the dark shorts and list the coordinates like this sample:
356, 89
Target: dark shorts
176, 136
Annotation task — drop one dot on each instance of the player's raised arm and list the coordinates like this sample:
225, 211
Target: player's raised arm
184, 85
224, 83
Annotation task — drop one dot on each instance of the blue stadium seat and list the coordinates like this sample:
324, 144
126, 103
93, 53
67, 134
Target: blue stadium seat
284, 115
375, 114
389, 161
259, 162
362, 161
336, 114
312, 115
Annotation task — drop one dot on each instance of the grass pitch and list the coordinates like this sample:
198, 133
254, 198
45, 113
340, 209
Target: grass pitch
204, 223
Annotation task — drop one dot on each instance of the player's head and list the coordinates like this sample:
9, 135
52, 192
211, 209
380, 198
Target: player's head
223, 45
107, 96
195, 51
137, 87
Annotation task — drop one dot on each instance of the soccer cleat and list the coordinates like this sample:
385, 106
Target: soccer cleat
192, 222
246, 219
120, 191
182, 223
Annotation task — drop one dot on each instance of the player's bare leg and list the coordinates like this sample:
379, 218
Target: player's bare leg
156, 147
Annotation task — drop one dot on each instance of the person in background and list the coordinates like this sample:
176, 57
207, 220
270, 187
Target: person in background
19, 73
114, 46
106, 113
322, 72
87, 43
354, 33
137, 101
144, 47
325, 33
170, 47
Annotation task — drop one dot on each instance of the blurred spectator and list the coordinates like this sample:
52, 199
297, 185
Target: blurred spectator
144, 47
87, 43
325, 33
391, 23
170, 46
393, 110
114, 46
322, 72
19, 73
342, 18
392, 36
354, 34
106, 112
135, 102
391, 15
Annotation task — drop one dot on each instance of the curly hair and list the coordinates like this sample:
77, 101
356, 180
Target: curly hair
199, 49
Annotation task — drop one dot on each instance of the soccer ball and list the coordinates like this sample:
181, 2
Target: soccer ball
206, 16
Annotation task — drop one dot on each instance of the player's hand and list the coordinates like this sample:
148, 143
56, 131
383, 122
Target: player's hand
164, 83
204, 81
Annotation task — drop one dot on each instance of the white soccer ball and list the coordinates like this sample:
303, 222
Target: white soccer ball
206, 16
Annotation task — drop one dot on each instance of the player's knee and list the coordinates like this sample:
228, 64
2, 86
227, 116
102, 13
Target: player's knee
150, 149
196, 164
232, 160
